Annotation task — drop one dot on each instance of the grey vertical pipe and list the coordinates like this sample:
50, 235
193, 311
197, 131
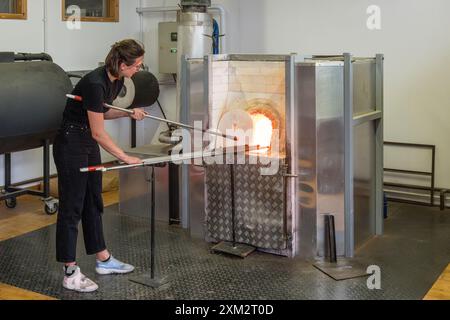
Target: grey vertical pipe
141, 23
184, 118
207, 65
45, 25
330, 238
379, 139
46, 159
290, 187
348, 157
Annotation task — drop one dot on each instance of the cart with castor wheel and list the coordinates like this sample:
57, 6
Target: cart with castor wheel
9, 194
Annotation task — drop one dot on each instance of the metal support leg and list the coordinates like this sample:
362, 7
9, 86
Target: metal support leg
46, 168
233, 210
10, 198
442, 194
51, 205
133, 133
152, 227
174, 195
145, 279
7, 171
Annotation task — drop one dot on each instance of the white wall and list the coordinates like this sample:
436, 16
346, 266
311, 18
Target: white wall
414, 38
72, 50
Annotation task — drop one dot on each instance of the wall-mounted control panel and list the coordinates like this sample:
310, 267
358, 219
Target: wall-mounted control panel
168, 39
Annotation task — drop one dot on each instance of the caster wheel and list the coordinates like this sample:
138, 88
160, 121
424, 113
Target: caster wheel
51, 209
11, 203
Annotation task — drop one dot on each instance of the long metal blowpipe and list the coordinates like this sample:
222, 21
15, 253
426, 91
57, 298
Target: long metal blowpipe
155, 161
178, 124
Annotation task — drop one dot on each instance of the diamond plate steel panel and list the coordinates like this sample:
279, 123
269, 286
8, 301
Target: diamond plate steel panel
259, 206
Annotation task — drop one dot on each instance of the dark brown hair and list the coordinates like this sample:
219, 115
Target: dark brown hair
126, 51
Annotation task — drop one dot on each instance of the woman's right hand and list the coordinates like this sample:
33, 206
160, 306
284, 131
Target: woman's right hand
131, 160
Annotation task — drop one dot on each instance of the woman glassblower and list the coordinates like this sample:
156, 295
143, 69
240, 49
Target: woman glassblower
77, 145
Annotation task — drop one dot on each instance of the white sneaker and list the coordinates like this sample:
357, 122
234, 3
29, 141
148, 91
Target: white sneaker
112, 266
79, 282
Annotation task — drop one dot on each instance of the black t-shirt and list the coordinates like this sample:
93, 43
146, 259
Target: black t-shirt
96, 89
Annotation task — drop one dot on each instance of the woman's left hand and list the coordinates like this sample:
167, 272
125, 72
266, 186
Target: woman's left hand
138, 114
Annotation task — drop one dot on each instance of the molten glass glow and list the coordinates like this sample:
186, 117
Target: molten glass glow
262, 130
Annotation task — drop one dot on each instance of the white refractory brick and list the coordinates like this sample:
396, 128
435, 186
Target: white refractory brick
219, 96
244, 64
253, 87
277, 79
234, 87
272, 71
275, 64
248, 71
220, 64
248, 80
219, 71
220, 88
237, 64
215, 119
233, 79
220, 79
263, 80
280, 89
218, 106
236, 100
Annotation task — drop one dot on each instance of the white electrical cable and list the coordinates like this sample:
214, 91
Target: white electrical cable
44, 21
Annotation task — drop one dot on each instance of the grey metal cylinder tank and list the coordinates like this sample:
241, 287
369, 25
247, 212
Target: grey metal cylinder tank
32, 100
194, 29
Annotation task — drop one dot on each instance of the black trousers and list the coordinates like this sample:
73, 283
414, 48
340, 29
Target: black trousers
80, 195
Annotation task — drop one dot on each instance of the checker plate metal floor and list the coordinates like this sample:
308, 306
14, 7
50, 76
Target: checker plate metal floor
411, 254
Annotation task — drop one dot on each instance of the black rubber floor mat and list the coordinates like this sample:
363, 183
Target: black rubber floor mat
411, 255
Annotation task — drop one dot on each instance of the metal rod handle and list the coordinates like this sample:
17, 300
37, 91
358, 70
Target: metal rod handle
178, 124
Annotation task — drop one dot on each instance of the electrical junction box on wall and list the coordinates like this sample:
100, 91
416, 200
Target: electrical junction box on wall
168, 39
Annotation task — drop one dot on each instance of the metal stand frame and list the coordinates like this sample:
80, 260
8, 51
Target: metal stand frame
10, 193
145, 279
233, 248
430, 173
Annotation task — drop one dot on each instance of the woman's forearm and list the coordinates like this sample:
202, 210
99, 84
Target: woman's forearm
105, 141
115, 114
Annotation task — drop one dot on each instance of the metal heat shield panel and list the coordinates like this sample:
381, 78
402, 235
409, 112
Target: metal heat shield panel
364, 154
321, 154
135, 187
364, 182
196, 173
364, 87
259, 206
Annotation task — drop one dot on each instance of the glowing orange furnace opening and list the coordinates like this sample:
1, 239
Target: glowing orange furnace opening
262, 130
